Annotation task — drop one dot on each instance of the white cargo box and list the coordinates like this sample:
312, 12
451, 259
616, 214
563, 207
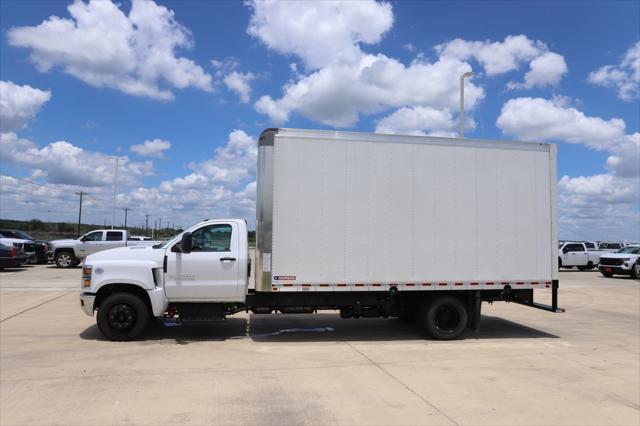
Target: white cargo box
342, 211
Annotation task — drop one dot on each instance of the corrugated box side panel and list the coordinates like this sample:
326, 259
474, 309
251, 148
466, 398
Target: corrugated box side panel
353, 211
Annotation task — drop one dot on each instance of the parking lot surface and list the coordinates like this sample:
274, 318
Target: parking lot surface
524, 367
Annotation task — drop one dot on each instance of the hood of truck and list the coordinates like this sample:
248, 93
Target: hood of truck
63, 243
619, 256
129, 255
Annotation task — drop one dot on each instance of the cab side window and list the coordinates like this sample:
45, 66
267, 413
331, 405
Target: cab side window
212, 238
114, 235
93, 236
573, 248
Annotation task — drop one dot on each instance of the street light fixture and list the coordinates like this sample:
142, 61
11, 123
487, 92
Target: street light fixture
462, 77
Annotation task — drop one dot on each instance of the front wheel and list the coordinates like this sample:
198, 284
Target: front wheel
635, 270
607, 274
444, 318
122, 316
65, 259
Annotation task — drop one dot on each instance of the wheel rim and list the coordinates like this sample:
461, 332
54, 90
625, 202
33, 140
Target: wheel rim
122, 317
447, 319
64, 260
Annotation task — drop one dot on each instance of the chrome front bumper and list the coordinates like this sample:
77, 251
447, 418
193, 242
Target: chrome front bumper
86, 302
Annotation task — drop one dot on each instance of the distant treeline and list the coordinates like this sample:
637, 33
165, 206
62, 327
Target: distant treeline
56, 230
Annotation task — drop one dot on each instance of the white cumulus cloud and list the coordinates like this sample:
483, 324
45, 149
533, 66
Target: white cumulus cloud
538, 119
421, 121
64, 163
19, 104
338, 93
319, 32
240, 83
151, 148
100, 45
624, 77
546, 68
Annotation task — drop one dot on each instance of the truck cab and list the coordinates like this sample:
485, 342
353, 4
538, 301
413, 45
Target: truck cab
201, 274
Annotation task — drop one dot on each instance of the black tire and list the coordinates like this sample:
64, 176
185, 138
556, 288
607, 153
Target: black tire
581, 268
559, 263
444, 318
634, 271
607, 274
122, 317
64, 259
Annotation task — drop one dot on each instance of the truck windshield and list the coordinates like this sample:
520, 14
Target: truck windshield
166, 242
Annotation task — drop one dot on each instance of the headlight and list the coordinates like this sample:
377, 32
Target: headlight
86, 276
625, 259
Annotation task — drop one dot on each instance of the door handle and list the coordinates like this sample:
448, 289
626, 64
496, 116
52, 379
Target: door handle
227, 259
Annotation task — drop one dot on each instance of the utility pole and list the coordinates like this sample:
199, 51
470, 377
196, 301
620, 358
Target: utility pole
126, 210
81, 193
146, 223
174, 219
159, 224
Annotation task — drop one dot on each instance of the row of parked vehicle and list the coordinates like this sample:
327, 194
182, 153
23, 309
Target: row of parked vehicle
610, 258
18, 247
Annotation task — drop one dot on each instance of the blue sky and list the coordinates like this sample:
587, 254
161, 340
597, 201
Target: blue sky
366, 66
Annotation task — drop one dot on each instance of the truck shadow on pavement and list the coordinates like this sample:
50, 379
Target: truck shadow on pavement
316, 328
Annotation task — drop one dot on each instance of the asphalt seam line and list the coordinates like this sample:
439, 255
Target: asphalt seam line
38, 305
402, 384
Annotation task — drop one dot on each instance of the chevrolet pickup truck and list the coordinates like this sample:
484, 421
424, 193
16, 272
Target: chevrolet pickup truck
69, 253
577, 254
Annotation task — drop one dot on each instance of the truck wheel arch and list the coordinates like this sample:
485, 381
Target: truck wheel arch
109, 289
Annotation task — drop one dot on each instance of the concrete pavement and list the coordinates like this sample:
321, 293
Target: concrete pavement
524, 367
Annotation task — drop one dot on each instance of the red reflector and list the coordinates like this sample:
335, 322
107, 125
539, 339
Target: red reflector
474, 283
426, 284
342, 285
458, 283
410, 285
442, 283
324, 285
359, 285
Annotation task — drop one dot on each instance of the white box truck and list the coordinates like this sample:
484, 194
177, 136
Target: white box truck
368, 224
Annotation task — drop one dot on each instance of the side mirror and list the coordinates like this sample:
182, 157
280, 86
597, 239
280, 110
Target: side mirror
186, 243
565, 250
83, 238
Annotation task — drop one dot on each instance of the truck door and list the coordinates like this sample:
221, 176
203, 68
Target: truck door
113, 239
91, 243
575, 255
211, 271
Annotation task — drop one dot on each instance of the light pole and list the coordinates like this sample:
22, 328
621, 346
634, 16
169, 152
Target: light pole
115, 192
462, 77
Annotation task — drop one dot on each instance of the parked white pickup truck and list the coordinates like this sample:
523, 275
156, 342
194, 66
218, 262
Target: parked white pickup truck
69, 253
577, 254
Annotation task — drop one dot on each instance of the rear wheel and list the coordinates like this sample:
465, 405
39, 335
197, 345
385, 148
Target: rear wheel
122, 316
65, 259
444, 318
